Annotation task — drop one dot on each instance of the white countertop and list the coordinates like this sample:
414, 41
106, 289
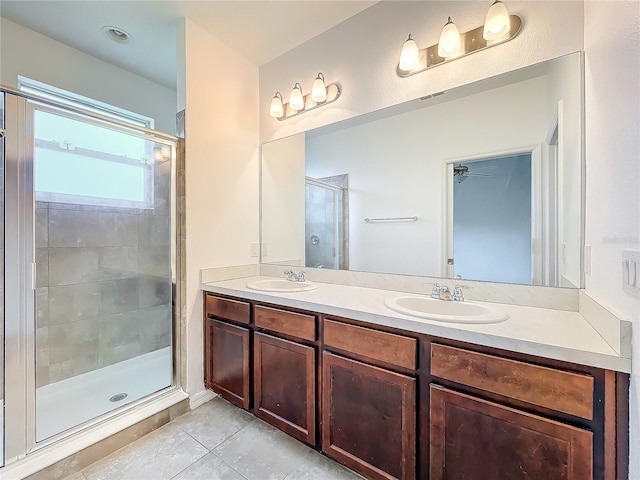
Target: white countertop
555, 334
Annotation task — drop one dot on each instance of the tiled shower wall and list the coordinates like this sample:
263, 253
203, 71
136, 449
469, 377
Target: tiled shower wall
103, 283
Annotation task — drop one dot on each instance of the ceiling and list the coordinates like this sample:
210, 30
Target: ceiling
258, 30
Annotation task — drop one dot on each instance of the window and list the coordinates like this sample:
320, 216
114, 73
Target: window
79, 162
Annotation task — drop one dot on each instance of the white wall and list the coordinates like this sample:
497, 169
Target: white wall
396, 168
612, 78
30, 54
283, 200
361, 54
221, 141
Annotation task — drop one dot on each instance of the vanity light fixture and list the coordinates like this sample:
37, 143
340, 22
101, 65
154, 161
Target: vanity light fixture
319, 91
499, 27
320, 95
276, 109
497, 23
449, 44
296, 100
409, 56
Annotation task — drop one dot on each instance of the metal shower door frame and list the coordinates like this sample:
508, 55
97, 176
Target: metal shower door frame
20, 290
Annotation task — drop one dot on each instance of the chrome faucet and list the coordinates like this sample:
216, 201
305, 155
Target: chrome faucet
457, 294
294, 277
442, 292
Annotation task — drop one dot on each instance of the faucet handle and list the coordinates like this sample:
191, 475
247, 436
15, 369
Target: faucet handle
457, 294
435, 291
301, 276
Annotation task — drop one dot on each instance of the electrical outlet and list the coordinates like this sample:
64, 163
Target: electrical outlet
264, 249
563, 253
587, 259
255, 249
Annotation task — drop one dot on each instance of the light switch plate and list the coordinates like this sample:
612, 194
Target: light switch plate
255, 249
630, 270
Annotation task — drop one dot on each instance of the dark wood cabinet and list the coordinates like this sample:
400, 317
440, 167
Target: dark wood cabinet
369, 418
393, 404
285, 385
228, 362
476, 439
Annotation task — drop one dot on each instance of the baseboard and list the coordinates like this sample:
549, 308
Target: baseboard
200, 398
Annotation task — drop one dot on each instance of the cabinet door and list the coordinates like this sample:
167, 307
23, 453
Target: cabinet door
284, 385
229, 362
474, 439
368, 418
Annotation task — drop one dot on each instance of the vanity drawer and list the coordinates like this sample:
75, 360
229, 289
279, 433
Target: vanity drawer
297, 325
558, 390
227, 309
382, 346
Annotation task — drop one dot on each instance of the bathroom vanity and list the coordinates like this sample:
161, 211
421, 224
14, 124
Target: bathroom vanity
391, 396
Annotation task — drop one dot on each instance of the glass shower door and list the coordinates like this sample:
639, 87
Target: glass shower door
324, 225
103, 257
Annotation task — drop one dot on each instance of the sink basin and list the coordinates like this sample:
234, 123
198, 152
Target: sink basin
445, 311
281, 285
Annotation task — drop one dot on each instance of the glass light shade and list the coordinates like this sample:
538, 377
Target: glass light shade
319, 91
497, 23
296, 102
409, 56
277, 109
449, 44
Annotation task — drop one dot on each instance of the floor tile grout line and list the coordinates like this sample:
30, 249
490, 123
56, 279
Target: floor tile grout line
191, 464
233, 435
230, 466
134, 445
300, 461
198, 441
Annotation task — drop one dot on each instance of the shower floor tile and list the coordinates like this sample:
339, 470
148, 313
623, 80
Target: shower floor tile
216, 441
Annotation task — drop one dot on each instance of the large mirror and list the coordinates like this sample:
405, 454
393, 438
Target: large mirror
482, 182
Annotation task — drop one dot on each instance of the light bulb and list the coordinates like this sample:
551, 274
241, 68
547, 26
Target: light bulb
497, 23
296, 102
409, 56
449, 44
276, 110
319, 91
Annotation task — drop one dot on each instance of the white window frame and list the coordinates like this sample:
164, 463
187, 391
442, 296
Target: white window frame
71, 99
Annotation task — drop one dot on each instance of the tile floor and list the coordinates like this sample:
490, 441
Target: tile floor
216, 441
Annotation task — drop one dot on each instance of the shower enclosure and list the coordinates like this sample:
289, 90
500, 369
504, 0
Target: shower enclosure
89, 255
326, 221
